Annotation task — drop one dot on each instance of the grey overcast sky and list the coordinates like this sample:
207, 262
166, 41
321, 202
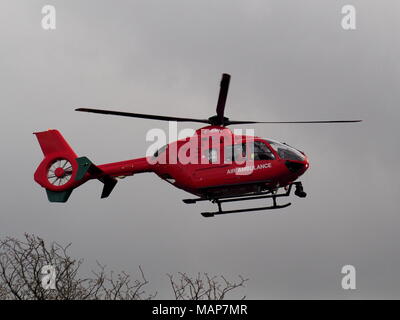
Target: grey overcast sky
289, 60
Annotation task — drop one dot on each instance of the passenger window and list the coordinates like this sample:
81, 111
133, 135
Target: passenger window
211, 155
236, 152
228, 154
239, 152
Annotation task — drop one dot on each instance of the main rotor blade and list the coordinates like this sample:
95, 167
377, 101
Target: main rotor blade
223, 93
289, 122
141, 115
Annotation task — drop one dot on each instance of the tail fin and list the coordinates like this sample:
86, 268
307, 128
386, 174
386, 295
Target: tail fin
52, 142
61, 170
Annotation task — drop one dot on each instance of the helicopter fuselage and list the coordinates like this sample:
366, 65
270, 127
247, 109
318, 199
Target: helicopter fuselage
231, 165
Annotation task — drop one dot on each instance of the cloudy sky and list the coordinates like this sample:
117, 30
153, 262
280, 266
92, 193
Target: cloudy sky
289, 60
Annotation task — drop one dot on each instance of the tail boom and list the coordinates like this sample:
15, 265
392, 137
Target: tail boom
126, 168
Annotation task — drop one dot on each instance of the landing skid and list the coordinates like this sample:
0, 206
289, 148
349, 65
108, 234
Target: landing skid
260, 195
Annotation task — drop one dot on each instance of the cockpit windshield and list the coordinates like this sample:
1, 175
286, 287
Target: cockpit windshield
286, 152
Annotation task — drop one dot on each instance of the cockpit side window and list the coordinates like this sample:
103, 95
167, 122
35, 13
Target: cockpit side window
236, 152
262, 152
256, 150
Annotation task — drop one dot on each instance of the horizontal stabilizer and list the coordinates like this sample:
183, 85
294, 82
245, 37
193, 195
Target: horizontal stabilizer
109, 184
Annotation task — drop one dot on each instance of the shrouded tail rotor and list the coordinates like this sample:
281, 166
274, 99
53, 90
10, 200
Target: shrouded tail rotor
59, 172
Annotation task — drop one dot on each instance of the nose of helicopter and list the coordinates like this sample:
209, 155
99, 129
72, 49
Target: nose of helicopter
297, 167
306, 164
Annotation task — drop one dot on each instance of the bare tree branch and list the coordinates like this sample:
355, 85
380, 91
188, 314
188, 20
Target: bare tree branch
202, 287
22, 262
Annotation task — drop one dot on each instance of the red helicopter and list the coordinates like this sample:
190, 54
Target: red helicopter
214, 164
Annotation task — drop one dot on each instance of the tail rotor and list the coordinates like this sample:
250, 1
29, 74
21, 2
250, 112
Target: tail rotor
59, 172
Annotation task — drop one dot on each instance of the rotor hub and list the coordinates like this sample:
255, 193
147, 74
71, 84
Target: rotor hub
59, 172
217, 121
